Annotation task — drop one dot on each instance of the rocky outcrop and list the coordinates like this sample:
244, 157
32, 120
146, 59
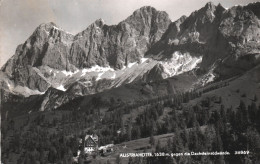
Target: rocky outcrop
99, 44
119, 45
157, 73
145, 47
48, 46
221, 36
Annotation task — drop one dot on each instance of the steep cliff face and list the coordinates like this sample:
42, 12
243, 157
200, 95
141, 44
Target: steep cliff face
221, 36
240, 29
254, 7
196, 34
100, 44
157, 72
116, 46
48, 46
145, 47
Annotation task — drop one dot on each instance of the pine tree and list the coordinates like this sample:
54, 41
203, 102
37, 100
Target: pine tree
193, 141
118, 160
152, 140
241, 119
217, 144
158, 146
129, 132
252, 112
169, 145
223, 114
177, 142
130, 161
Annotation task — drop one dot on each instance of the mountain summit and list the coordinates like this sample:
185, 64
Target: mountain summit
193, 83
144, 47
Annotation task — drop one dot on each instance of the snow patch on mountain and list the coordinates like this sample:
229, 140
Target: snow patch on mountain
69, 73
212, 14
60, 29
96, 68
99, 76
180, 63
9, 86
113, 76
61, 87
143, 60
56, 28
210, 76
176, 64
22, 90
47, 32
131, 64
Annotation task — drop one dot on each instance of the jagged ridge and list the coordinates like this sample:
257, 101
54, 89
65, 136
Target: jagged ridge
227, 41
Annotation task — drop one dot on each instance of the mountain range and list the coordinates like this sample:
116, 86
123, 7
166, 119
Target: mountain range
144, 56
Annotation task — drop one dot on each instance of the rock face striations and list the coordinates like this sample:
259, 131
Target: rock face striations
48, 46
118, 45
223, 36
99, 44
145, 47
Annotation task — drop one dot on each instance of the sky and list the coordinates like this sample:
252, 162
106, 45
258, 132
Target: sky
19, 18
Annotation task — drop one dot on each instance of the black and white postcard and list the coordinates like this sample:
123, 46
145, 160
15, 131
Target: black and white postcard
130, 81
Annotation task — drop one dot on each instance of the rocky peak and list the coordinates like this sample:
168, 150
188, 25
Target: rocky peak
47, 28
146, 16
91, 29
220, 9
220, 6
210, 6
201, 16
181, 19
199, 26
208, 11
99, 22
145, 10
254, 7
148, 23
241, 24
128, 42
49, 32
156, 73
174, 29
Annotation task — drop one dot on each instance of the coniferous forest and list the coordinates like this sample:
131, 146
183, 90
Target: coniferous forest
147, 90
206, 126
